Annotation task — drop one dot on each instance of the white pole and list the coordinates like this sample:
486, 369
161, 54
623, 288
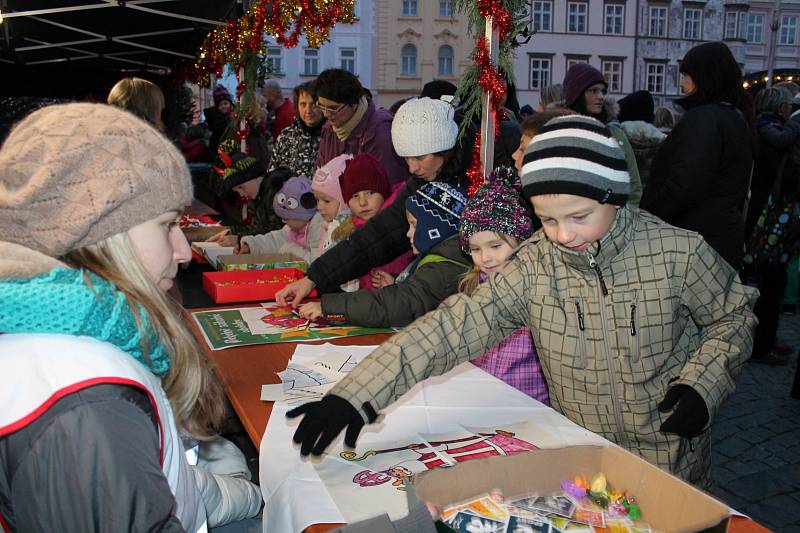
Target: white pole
488, 116
773, 41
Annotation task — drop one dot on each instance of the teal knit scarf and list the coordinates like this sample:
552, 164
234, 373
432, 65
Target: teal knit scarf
61, 302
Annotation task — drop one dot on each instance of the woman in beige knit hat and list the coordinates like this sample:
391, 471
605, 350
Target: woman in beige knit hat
102, 378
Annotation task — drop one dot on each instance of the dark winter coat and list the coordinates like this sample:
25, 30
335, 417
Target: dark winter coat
435, 278
699, 176
645, 139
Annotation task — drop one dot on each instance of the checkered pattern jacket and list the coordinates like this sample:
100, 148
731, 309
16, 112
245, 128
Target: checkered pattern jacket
675, 313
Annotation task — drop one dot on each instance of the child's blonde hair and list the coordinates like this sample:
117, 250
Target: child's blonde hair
195, 395
141, 97
470, 281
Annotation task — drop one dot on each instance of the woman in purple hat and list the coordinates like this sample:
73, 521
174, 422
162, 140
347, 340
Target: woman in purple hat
584, 92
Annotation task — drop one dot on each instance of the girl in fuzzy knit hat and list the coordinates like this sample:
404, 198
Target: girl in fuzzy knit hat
493, 224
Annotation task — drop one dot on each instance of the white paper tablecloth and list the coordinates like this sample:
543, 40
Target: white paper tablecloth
296, 497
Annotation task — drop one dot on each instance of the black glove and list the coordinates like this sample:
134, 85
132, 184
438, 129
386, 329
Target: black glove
690, 415
324, 420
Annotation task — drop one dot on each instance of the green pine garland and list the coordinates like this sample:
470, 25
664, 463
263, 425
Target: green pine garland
469, 92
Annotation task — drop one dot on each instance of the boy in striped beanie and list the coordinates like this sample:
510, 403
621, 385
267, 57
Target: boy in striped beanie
641, 328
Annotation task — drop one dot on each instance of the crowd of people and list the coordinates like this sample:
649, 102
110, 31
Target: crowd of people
606, 268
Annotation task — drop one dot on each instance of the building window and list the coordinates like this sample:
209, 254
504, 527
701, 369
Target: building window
612, 72
658, 21
310, 62
574, 60
755, 28
788, 33
409, 63
445, 60
655, 78
347, 59
540, 72
576, 17
409, 8
615, 19
445, 8
543, 16
273, 60
742, 32
731, 18
692, 21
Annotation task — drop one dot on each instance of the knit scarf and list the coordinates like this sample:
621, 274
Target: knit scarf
343, 132
61, 302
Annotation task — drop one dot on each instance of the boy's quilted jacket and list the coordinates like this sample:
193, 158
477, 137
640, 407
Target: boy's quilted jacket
660, 308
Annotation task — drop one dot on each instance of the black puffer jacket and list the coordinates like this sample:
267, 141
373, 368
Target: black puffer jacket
698, 180
399, 304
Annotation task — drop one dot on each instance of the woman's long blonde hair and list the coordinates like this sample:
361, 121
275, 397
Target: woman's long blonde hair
470, 281
195, 395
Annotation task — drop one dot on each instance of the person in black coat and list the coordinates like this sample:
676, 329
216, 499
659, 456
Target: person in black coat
699, 177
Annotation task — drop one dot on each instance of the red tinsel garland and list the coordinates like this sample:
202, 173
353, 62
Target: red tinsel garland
501, 18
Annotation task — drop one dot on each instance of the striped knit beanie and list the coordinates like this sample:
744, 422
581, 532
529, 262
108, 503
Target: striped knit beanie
437, 206
577, 155
497, 206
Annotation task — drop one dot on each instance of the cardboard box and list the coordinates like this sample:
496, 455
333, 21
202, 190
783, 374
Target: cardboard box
202, 233
667, 503
249, 285
261, 262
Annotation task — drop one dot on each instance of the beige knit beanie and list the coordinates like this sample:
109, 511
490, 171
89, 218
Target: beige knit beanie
75, 174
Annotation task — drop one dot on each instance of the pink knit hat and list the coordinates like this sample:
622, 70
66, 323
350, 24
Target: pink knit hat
326, 178
76, 174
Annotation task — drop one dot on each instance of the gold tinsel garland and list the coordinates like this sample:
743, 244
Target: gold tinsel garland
285, 19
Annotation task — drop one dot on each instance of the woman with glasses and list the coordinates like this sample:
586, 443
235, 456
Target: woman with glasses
354, 125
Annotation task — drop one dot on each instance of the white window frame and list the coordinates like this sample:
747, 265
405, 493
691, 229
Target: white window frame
541, 12
612, 72
731, 20
697, 23
661, 20
579, 13
274, 59
347, 60
655, 75
445, 8
788, 31
615, 15
575, 60
310, 62
410, 8
407, 66
742, 30
442, 61
544, 69
755, 28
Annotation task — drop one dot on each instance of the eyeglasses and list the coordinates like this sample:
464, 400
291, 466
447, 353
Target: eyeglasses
331, 110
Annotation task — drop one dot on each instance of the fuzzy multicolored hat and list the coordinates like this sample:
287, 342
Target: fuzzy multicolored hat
578, 155
365, 173
424, 126
327, 178
76, 174
294, 200
497, 206
239, 168
437, 206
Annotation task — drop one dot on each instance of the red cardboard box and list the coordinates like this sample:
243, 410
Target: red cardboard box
249, 285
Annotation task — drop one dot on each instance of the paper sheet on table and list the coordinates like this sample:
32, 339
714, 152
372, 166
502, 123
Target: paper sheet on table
438, 405
312, 371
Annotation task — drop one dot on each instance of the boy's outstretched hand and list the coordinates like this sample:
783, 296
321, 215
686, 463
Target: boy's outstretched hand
690, 413
294, 293
323, 421
310, 310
